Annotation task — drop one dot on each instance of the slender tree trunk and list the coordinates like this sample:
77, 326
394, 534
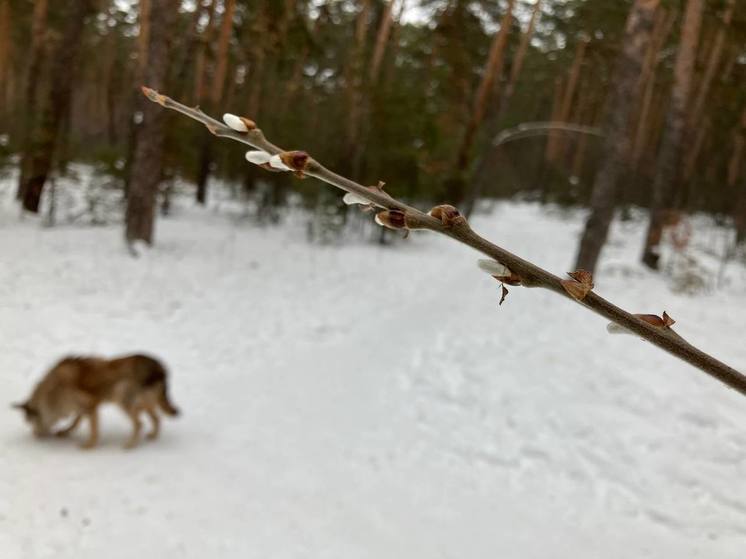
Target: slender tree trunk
669, 158
216, 94
456, 183
30, 109
221, 58
382, 38
200, 60
554, 142
136, 101
735, 171
518, 60
355, 93
38, 158
713, 62
148, 159
5, 56
616, 131
369, 93
188, 53
143, 37
559, 86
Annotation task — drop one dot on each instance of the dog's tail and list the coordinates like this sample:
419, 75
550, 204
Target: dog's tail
157, 379
164, 402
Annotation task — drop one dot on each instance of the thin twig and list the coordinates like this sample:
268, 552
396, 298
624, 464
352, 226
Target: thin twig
530, 275
528, 129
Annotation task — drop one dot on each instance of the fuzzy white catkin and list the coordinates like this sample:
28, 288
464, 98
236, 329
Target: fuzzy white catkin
258, 157
277, 162
351, 199
494, 268
614, 328
235, 122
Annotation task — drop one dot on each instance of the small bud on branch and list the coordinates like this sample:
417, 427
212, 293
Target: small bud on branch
393, 219
239, 123
580, 284
448, 215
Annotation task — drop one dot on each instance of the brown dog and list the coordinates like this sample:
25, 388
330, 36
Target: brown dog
76, 386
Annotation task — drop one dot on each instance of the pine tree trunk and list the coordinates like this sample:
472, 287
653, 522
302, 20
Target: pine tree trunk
148, 158
5, 56
456, 183
713, 62
520, 57
30, 109
355, 94
616, 131
382, 38
669, 157
554, 142
37, 159
216, 94
200, 60
735, 172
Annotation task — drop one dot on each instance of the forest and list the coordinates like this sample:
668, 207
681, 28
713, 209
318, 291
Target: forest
411, 93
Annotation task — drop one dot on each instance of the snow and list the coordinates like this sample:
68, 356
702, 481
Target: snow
358, 401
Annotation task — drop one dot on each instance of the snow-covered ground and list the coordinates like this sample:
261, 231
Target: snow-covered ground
359, 401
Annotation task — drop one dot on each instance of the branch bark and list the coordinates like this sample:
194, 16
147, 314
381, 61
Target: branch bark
458, 229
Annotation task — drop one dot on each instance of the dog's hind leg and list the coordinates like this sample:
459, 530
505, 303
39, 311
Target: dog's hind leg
155, 420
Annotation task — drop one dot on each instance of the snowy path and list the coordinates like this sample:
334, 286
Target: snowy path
359, 402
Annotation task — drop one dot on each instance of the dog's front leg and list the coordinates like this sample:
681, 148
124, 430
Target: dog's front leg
93, 422
70, 428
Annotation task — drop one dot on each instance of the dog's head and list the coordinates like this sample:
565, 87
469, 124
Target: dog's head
34, 417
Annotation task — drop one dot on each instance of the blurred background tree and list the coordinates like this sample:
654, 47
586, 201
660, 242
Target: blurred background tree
407, 91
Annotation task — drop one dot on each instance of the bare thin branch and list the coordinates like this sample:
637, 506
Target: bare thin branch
457, 228
528, 129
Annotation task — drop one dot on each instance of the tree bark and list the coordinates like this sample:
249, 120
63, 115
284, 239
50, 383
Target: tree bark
355, 93
39, 155
713, 62
735, 171
669, 157
148, 159
200, 60
456, 184
5, 54
518, 60
216, 94
30, 109
554, 142
382, 38
616, 131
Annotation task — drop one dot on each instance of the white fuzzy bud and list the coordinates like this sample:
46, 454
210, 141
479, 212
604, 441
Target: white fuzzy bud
494, 268
351, 199
235, 122
614, 328
276, 162
258, 157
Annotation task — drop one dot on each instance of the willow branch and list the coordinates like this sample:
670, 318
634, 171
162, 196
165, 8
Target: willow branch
447, 221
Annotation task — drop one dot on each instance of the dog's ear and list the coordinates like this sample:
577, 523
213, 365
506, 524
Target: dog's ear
24, 407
